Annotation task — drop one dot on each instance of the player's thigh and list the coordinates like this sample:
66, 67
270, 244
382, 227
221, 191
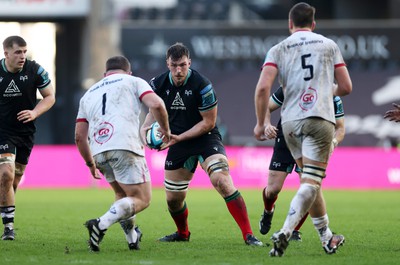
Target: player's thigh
180, 174
7, 159
318, 139
293, 137
123, 166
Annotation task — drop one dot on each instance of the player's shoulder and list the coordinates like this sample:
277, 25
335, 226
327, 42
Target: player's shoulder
156, 81
326, 40
33, 66
198, 79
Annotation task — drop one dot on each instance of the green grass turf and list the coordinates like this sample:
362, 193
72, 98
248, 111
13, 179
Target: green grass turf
49, 228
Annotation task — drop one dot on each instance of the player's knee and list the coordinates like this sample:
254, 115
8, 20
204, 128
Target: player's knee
176, 186
313, 173
19, 171
7, 172
8, 159
146, 204
217, 165
272, 191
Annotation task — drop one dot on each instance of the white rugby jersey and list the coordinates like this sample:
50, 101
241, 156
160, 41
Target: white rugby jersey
306, 62
112, 107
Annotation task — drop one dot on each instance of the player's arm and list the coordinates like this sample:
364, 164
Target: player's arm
261, 99
157, 112
339, 131
44, 105
208, 122
81, 141
344, 84
270, 131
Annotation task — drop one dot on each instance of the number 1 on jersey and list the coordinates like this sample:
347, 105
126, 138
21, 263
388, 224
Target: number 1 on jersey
103, 110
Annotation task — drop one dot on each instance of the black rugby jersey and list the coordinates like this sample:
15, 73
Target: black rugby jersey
278, 98
17, 93
185, 103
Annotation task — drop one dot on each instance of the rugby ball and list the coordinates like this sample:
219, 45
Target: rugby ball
154, 137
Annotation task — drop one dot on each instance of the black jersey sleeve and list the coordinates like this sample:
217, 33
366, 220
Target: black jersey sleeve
278, 96
208, 98
42, 76
338, 106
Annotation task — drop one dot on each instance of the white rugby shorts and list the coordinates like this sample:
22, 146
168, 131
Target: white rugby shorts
122, 166
311, 138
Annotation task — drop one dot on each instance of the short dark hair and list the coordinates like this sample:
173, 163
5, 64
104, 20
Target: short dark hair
302, 15
177, 51
10, 41
118, 63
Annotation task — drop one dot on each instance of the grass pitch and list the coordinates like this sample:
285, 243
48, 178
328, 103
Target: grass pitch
49, 230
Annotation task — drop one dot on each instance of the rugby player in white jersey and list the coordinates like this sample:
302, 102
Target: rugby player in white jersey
107, 136
282, 162
307, 65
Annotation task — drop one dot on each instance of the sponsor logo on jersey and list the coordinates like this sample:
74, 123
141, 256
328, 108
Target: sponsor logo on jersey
4, 146
12, 90
308, 98
104, 133
178, 104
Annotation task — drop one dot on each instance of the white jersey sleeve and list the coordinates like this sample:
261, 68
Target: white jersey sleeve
112, 108
306, 62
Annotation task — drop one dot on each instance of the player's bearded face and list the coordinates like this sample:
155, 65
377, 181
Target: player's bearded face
179, 69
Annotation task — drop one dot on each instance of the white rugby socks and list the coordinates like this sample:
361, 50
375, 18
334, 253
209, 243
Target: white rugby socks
120, 210
299, 206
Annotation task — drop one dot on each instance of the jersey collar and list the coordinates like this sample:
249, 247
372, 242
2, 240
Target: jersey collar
3, 65
186, 79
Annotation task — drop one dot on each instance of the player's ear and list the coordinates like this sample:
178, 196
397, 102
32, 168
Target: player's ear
313, 25
290, 24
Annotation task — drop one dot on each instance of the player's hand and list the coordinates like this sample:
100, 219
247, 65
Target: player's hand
259, 133
142, 133
394, 114
173, 139
95, 172
27, 116
166, 135
271, 132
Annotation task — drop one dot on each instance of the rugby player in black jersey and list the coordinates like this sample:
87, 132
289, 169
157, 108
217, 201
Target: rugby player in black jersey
192, 109
20, 78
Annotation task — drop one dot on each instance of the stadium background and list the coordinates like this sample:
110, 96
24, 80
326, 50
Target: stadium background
228, 41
